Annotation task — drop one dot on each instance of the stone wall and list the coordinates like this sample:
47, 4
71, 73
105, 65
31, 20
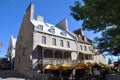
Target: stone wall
24, 44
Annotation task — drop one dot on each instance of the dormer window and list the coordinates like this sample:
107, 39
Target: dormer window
85, 39
64, 33
40, 27
52, 29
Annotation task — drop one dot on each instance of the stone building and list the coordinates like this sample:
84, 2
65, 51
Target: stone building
86, 51
11, 50
40, 43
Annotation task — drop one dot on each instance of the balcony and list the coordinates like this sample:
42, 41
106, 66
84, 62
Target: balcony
91, 61
46, 61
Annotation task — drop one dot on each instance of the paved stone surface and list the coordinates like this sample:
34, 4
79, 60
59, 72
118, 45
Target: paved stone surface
12, 75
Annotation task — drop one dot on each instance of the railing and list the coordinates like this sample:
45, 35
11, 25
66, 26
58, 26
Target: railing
86, 61
55, 61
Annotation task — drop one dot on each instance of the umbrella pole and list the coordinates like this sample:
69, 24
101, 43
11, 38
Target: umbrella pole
72, 75
43, 71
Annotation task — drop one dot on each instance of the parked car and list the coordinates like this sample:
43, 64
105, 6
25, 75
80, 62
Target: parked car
4, 64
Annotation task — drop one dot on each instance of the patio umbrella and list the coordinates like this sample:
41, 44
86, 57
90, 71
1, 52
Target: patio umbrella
47, 67
101, 64
89, 65
96, 65
65, 66
80, 65
54, 67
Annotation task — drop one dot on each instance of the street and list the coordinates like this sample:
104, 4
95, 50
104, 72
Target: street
12, 75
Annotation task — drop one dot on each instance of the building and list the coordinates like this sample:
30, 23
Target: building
40, 43
11, 50
87, 51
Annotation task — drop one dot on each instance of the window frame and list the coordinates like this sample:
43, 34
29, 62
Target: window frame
54, 41
68, 44
40, 27
52, 29
81, 47
64, 33
85, 48
43, 39
61, 43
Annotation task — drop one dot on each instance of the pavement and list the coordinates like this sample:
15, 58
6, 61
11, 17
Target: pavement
12, 75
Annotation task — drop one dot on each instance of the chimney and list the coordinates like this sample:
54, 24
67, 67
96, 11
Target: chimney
30, 11
40, 18
63, 24
81, 32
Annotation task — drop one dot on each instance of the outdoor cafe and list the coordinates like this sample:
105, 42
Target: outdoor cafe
78, 71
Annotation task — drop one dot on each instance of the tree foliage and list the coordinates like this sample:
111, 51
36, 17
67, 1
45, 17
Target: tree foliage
104, 16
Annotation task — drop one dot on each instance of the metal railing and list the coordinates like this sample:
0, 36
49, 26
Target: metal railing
55, 61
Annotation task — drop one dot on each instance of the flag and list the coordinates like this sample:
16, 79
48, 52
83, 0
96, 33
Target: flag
0, 44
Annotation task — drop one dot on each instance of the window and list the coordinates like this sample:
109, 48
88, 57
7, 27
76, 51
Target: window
23, 51
52, 29
40, 27
43, 40
61, 43
85, 48
81, 47
64, 33
87, 57
89, 48
68, 44
54, 41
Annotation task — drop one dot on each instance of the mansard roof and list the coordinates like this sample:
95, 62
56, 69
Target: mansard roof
58, 29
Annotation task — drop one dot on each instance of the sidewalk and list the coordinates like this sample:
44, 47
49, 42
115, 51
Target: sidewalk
12, 75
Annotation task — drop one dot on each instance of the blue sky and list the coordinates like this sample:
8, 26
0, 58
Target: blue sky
12, 12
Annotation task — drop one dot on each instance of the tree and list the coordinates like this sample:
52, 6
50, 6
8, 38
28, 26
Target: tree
104, 16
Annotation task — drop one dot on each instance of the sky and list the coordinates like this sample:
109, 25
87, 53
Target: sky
53, 11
